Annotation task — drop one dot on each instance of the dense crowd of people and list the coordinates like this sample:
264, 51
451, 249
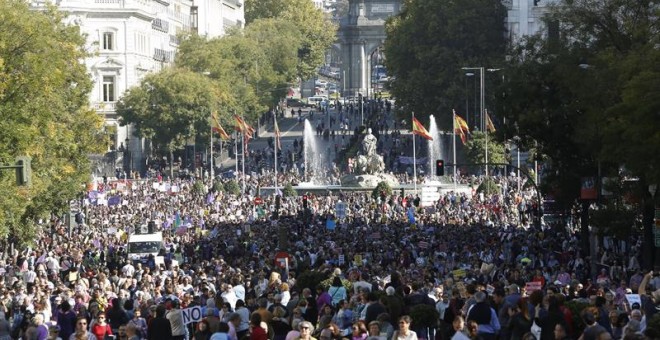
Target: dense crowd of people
469, 265
322, 264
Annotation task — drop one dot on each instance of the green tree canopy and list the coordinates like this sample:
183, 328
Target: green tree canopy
44, 100
586, 95
476, 149
317, 31
429, 42
170, 106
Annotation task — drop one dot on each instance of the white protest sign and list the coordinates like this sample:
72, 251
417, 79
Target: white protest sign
192, 314
634, 298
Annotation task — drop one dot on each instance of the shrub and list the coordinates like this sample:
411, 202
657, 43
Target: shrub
232, 187
198, 188
218, 186
488, 186
380, 188
289, 191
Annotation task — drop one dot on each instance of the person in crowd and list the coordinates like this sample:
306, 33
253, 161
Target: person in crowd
257, 332
520, 321
132, 332
203, 331
337, 291
305, 329
359, 331
101, 328
81, 332
485, 316
458, 326
404, 332
159, 327
552, 317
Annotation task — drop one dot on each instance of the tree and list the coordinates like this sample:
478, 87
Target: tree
428, 43
289, 191
45, 115
170, 106
587, 97
580, 93
476, 149
382, 189
318, 32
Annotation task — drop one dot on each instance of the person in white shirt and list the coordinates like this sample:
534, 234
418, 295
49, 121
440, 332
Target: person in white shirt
459, 327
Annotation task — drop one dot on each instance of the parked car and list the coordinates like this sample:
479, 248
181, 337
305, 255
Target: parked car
295, 102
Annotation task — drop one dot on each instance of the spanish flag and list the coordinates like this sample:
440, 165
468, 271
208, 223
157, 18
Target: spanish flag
460, 127
215, 126
243, 127
278, 142
461, 123
489, 123
419, 129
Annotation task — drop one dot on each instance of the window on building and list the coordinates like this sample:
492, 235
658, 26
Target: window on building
108, 41
141, 43
108, 88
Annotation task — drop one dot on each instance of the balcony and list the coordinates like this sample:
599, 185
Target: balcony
174, 40
163, 55
104, 107
160, 25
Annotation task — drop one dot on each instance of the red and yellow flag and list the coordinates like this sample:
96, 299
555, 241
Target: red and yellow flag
489, 123
461, 127
419, 129
461, 123
278, 143
215, 126
243, 127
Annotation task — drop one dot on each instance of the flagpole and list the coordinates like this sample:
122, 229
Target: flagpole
276, 146
212, 171
454, 146
243, 157
414, 158
236, 151
486, 131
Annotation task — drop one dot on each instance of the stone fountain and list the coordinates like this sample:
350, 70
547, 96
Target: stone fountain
369, 167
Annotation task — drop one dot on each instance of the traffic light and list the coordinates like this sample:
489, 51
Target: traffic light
305, 201
439, 167
23, 171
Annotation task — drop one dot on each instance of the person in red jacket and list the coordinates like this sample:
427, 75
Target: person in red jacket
256, 331
101, 328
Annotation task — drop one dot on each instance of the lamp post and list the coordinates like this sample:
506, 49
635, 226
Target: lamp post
127, 156
517, 140
467, 96
482, 121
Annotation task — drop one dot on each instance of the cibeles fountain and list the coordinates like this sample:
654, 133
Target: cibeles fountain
369, 167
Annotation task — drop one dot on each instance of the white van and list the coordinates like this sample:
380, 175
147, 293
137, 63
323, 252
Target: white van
140, 246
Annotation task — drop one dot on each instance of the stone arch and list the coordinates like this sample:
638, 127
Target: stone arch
361, 32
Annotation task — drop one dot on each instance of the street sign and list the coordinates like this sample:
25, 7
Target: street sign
258, 200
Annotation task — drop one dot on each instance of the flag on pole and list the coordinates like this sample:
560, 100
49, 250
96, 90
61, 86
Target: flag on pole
243, 127
489, 123
278, 142
460, 128
462, 124
419, 129
215, 126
